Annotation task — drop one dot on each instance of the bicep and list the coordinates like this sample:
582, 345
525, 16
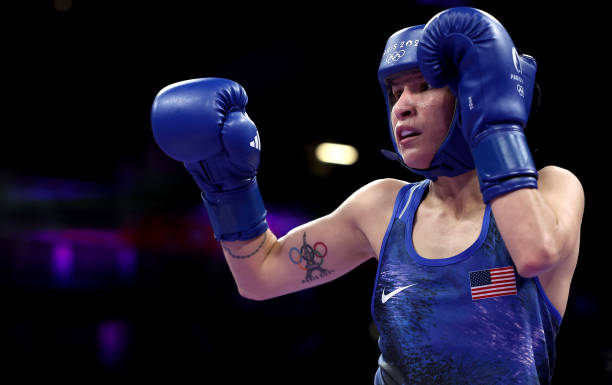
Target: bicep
329, 247
315, 253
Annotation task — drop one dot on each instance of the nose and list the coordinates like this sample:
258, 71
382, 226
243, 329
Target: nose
405, 105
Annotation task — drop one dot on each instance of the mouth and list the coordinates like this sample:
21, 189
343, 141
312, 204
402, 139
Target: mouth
406, 134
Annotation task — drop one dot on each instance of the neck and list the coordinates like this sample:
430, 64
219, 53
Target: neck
459, 195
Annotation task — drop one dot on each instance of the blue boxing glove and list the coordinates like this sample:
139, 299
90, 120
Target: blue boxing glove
471, 52
203, 123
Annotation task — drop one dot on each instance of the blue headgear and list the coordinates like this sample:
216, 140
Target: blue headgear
454, 156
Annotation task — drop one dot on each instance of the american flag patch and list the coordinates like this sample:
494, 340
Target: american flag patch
493, 282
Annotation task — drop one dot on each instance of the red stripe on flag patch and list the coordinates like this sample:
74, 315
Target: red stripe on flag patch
495, 282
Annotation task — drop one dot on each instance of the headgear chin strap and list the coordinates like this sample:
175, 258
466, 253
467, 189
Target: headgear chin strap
454, 156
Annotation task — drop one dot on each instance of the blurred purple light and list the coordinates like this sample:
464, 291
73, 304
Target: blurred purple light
282, 221
47, 189
85, 257
62, 261
112, 342
90, 237
126, 262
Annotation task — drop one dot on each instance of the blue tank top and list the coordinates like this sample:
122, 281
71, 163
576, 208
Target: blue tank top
466, 319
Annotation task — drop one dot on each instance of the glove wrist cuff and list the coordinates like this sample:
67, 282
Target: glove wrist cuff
494, 190
238, 214
504, 162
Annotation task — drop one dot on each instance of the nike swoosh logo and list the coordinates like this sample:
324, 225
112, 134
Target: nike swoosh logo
386, 297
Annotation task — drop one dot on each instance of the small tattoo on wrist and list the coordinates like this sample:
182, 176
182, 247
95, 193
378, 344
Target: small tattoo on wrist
247, 255
310, 258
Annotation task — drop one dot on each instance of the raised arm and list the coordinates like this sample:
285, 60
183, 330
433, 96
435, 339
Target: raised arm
538, 214
541, 227
203, 123
316, 252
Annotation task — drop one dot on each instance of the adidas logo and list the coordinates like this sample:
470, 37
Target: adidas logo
256, 143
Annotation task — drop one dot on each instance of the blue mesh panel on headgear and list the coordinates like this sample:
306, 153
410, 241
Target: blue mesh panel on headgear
454, 156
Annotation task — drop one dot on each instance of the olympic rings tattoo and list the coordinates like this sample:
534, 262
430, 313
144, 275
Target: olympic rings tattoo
310, 258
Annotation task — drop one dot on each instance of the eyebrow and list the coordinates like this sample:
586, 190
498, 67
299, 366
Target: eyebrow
408, 76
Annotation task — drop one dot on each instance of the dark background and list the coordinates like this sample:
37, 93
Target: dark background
108, 267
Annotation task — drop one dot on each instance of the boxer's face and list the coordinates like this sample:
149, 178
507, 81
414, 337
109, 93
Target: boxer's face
420, 117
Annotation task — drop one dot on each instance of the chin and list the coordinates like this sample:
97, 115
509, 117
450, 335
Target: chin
417, 162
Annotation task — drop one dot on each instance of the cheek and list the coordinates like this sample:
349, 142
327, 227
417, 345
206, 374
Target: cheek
393, 118
442, 111
447, 105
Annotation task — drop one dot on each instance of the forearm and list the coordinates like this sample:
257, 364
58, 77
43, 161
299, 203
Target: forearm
531, 230
245, 260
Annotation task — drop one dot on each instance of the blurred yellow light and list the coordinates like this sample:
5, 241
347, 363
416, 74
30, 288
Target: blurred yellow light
336, 153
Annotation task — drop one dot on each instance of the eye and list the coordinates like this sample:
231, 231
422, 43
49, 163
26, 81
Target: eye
394, 95
426, 86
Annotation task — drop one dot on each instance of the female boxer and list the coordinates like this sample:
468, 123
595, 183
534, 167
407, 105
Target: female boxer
475, 261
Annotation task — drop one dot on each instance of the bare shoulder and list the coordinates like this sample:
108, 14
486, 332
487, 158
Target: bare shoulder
370, 208
378, 193
383, 185
559, 182
556, 172
372, 203
562, 190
